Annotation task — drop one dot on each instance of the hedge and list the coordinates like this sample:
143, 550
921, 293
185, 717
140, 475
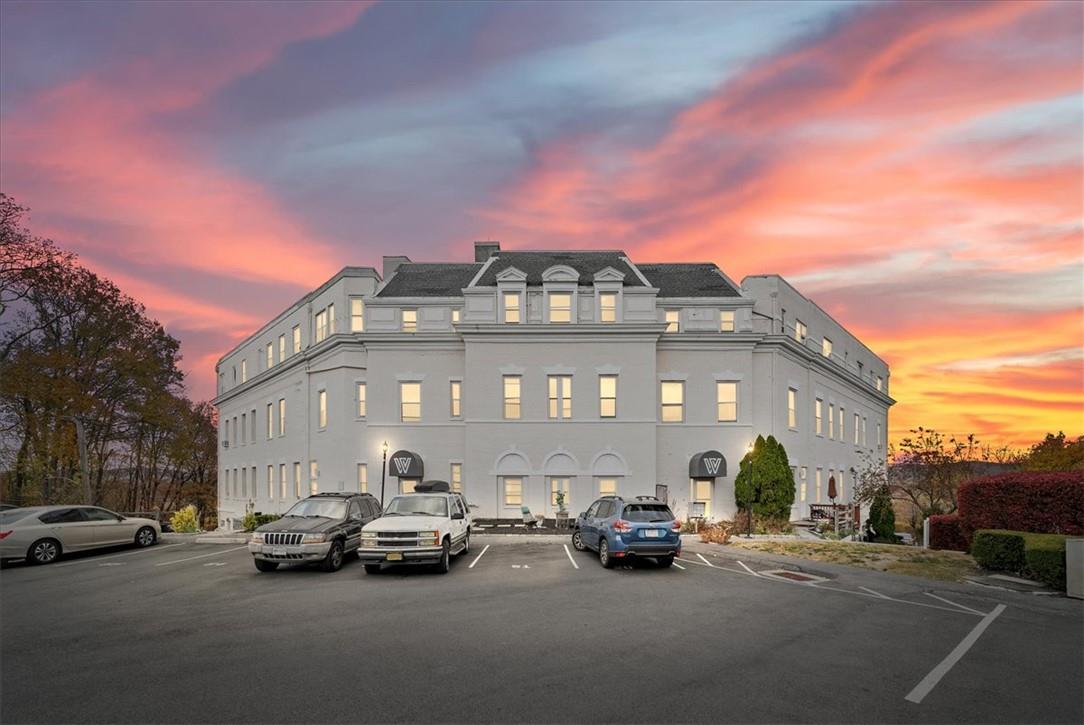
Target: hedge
1040, 556
1039, 502
945, 533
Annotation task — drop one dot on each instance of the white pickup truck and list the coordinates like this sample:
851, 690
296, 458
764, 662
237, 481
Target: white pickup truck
428, 526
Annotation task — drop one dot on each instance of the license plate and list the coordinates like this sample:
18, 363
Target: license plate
395, 556
278, 552
653, 533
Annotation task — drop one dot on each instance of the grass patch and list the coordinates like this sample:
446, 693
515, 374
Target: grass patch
926, 563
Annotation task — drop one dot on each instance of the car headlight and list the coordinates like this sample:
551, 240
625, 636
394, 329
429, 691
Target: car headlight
314, 539
257, 538
428, 538
368, 534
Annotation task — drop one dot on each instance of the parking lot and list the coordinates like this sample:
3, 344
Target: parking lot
524, 629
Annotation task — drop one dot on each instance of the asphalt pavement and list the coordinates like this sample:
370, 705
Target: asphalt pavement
526, 630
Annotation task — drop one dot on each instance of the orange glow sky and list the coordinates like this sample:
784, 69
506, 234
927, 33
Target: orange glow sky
914, 168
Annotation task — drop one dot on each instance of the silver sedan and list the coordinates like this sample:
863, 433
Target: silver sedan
41, 534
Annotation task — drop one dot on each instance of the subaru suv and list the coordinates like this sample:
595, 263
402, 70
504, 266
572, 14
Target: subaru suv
321, 529
619, 528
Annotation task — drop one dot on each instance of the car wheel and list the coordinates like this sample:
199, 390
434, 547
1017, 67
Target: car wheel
577, 541
445, 557
372, 568
665, 561
604, 553
334, 559
43, 551
145, 536
266, 565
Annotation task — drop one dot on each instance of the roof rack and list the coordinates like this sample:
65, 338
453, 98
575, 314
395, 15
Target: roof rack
648, 498
432, 487
334, 494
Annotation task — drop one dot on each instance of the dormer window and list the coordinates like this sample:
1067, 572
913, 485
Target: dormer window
800, 331
560, 307
607, 307
826, 347
673, 318
512, 307
410, 321
726, 320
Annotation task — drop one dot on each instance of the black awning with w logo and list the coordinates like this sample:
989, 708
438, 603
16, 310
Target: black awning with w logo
406, 464
709, 464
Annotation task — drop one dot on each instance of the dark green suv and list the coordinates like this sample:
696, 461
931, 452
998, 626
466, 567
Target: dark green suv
322, 529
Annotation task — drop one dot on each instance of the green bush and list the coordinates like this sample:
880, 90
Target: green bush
765, 480
253, 521
1039, 556
1045, 558
882, 518
185, 521
999, 550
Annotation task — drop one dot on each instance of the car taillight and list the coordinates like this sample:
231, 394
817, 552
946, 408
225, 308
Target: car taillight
622, 525
4, 534
676, 526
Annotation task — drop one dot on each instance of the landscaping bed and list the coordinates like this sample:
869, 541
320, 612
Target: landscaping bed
941, 565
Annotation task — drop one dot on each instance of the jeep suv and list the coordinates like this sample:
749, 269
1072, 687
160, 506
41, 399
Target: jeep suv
620, 529
427, 526
322, 529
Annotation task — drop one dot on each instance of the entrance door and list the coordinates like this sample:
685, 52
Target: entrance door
406, 485
703, 491
563, 485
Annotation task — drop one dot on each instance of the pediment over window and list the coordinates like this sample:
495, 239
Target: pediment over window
512, 275
560, 273
609, 274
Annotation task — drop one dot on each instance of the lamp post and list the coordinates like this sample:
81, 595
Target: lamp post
383, 472
752, 487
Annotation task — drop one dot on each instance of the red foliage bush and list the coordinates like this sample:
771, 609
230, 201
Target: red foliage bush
1040, 502
945, 533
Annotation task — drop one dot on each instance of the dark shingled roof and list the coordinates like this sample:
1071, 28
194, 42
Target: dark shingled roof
533, 264
429, 280
688, 280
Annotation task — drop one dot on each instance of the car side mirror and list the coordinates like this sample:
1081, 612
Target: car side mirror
457, 515
583, 514
120, 518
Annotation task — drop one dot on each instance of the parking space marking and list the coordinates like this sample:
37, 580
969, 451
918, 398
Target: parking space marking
708, 562
743, 566
876, 594
679, 566
923, 688
215, 563
569, 554
202, 556
479, 556
946, 601
114, 556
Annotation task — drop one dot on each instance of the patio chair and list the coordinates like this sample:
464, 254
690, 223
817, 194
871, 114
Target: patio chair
529, 520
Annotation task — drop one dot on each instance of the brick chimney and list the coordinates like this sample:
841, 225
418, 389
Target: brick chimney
392, 263
485, 250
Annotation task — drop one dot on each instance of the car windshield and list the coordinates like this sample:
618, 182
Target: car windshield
13, 515
319, 508
416, 505
648, 513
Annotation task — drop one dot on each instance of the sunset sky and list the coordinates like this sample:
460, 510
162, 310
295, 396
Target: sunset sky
916, 168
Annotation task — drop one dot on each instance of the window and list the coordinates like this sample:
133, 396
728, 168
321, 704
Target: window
244, 371
800, 331
360, 395
64, 516
863, 430
270, 420
406, 485
560, 396
297, 338
792, 408
314, 478
363, 478
244, 427
511, 397
803, 492
410, 402
357, 314
457, 477
879, 444
321, 406
817, 485
455, 315
831, 420
282, 481
511, 308
282, 416
409, 321
607, 487
856, 426
826, 347
270, 355
673, 318
727, 399
282, 347
880, 383
842, 433
297, 479
559, 485
270, 482
672, 395
331, 319
252, 427
607, 396
818, 409
607, 307
321, 325
726, 320
244, 483
513, 491
560, 306
96, 514
702, 493
455, 396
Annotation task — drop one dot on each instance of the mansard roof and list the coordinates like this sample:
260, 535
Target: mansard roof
429, 280
702, 279
533, 264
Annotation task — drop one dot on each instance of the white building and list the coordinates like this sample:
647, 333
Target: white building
529, 372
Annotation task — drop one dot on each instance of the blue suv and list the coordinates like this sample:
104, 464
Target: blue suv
621, 529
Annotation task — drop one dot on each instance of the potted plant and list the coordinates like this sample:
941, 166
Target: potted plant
562, 512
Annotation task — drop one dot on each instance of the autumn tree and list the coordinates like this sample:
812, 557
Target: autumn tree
1056, 453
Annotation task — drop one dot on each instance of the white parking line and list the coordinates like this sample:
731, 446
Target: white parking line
946, 601
743, 566
708, 562
569, 553
679, 566
202, 556
930, 681
876, 594
96, 559
478, 557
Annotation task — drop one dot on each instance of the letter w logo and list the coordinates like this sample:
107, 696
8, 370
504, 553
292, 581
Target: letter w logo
712, 464
401, 464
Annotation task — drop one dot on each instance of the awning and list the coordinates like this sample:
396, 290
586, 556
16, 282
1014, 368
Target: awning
406, 464
709, 464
